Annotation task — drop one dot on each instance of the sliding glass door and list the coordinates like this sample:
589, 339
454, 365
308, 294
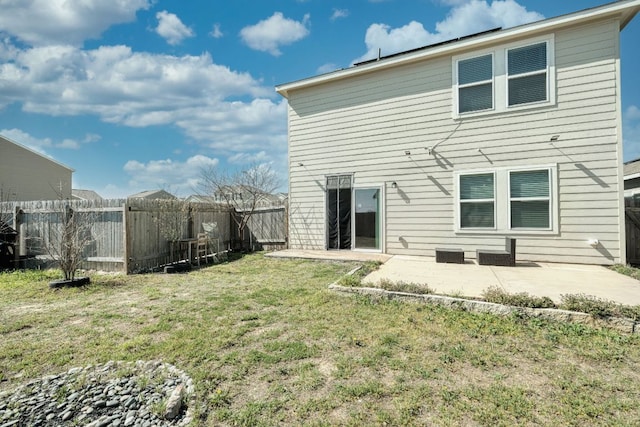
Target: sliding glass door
366, 218
338, 199
354, 215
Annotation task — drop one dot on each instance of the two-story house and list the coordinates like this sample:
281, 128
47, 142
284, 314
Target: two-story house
28, 175
513, 132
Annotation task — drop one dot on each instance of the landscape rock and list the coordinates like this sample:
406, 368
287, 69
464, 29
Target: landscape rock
114, 394
174, 403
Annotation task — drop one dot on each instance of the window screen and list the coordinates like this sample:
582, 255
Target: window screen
475, 84
530, 201
477, 204
527, 69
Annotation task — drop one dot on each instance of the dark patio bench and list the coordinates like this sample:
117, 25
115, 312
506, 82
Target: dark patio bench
503, 258
455, 256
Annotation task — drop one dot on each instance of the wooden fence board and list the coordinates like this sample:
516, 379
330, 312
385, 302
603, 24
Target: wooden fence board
131, 235
632, 229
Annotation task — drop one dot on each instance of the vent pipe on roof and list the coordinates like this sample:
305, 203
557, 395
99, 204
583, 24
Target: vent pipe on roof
379, 53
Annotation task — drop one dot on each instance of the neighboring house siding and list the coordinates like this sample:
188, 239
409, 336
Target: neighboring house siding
363, 125
26, 175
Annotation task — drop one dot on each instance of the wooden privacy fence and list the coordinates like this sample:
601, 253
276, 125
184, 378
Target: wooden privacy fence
129, 235
134, 235
266, 229
632, 229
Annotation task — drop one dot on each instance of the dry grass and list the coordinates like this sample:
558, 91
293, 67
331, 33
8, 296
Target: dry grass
268, 344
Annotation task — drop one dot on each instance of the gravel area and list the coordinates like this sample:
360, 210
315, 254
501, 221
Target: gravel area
112, 394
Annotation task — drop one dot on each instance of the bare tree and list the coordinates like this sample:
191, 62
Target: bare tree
7, 233
6, 208
173, 218
68, 239
242, 190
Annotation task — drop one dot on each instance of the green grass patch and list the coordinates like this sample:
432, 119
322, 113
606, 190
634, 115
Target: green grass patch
267, 343
627, 270
355, 278
522, 299
599, 307
412, 288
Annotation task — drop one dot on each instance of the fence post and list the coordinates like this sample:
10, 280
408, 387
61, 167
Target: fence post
22, 241
126, 236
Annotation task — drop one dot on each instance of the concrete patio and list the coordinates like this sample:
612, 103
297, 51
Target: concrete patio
469, 279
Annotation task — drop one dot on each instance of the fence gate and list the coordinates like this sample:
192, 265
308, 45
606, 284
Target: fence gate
632, 229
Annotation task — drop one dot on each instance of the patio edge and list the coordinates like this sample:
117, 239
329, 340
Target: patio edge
617, 323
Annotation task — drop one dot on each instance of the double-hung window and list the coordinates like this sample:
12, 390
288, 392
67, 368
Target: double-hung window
475, 84
530, 199
527, 74
507, 200
504, 78
477, 201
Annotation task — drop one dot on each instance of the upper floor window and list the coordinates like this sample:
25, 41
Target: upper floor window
475, 83
504, 78
527, 74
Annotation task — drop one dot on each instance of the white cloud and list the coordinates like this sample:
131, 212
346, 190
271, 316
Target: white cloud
178, 177
171, 28
118, 84
21, 137
48, 22
69, 143
339, 13
216, 32
632, 113
142, 89
40, 144
269, 34
327, 68
91, 137
237, 127
467, 17
248, 158
453, 2
631, 133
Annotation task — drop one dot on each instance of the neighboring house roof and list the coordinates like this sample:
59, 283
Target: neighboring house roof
10, 141
624, 10
197, 198
267, 199
153, 194
85, 194
632, 169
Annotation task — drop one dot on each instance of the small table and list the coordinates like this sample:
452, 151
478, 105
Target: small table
187, 245
454, 256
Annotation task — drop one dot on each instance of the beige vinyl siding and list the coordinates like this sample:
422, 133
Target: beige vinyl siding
364, 124
26, 175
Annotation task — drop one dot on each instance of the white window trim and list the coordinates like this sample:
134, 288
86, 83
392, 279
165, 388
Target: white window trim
531, 199
547, 70
478, 83
493, 200
501, 78
381, 225
502, 201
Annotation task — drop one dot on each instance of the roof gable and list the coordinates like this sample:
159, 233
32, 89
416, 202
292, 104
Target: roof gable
5, 140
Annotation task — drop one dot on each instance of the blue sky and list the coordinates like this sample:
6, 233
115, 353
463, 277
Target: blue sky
142, 94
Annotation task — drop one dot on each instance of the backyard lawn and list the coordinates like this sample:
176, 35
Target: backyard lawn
266, 343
